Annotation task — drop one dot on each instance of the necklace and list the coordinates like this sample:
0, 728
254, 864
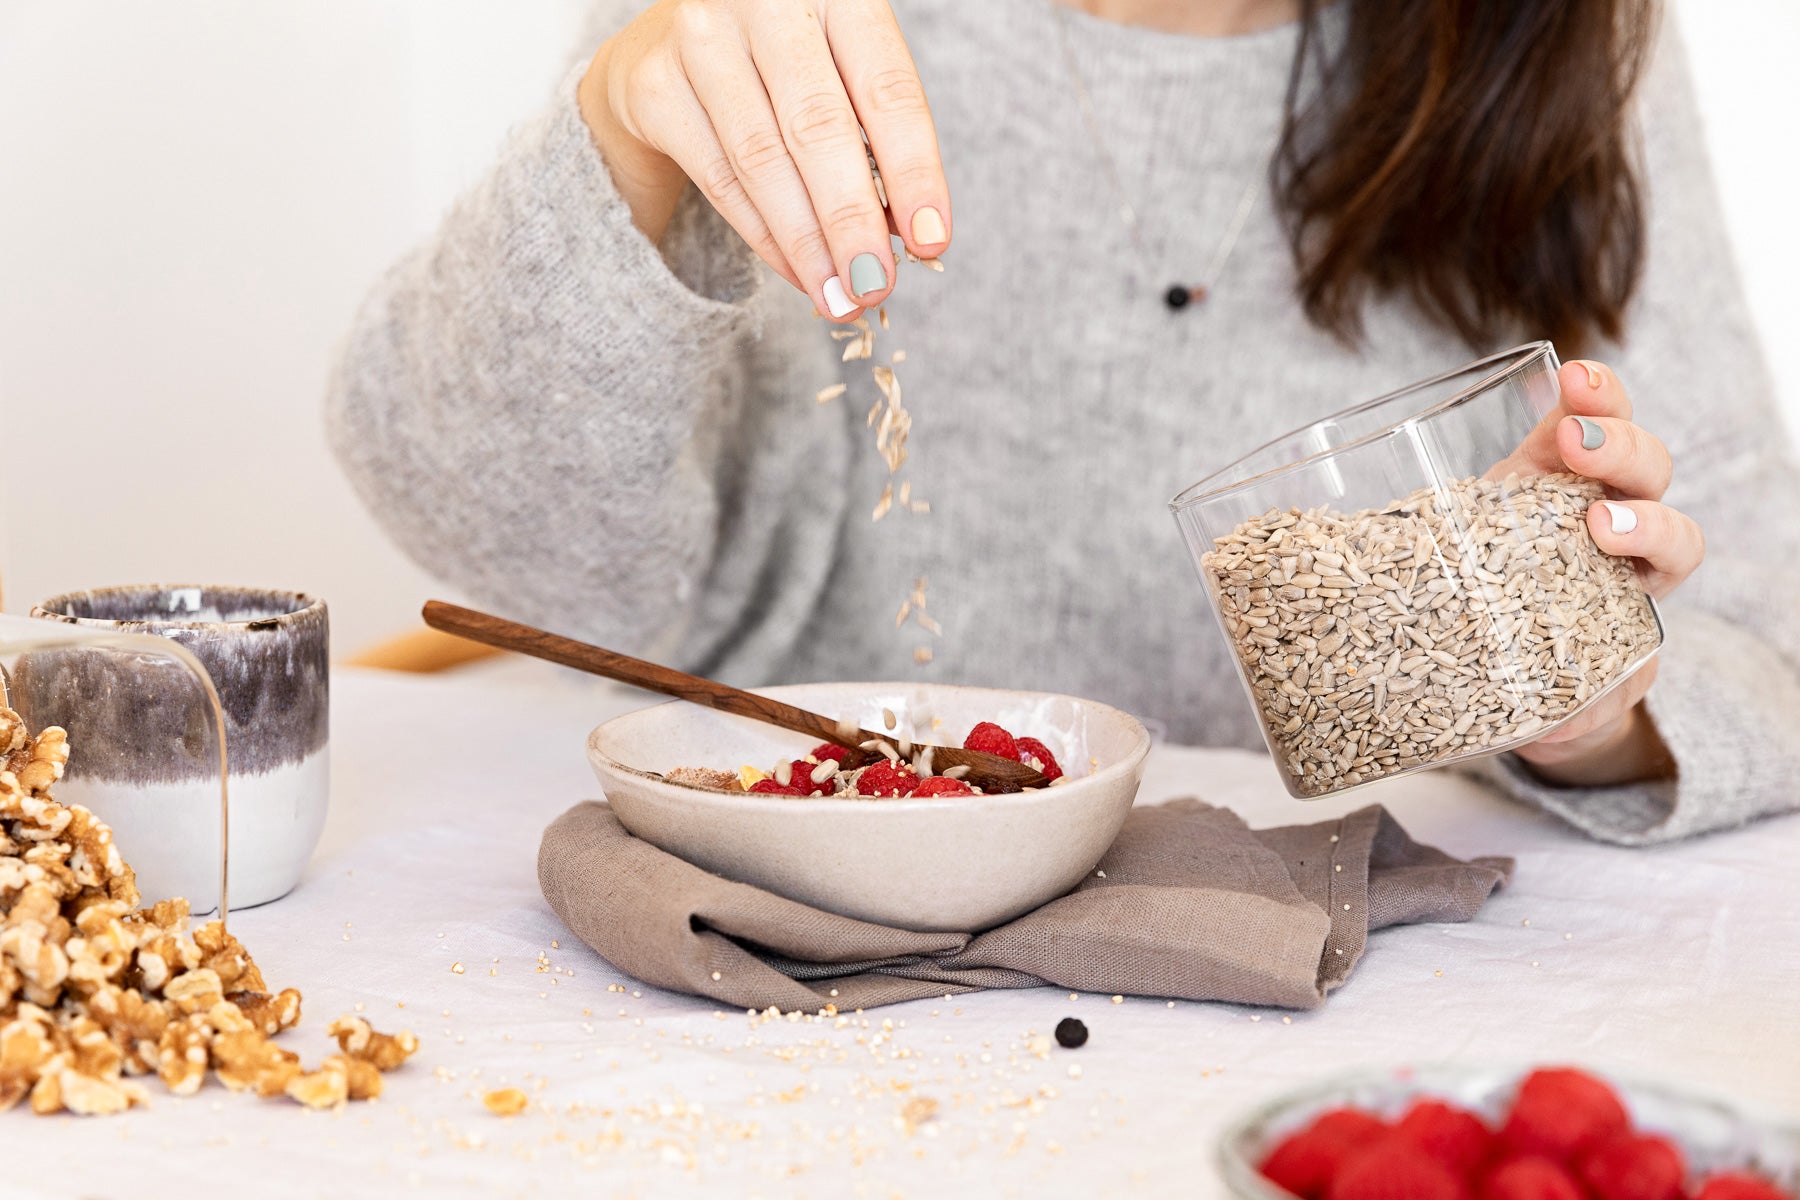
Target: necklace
1178, 295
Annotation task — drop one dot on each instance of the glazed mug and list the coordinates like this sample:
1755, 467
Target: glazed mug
140, 765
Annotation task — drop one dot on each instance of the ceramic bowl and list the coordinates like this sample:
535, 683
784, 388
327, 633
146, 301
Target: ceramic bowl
941, 863
1713, 1135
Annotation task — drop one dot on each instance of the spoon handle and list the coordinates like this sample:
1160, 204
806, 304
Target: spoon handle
510, 635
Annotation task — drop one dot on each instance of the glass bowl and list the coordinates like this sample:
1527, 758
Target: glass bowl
1402, 588
1713, 1135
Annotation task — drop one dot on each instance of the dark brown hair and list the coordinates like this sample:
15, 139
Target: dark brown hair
1478, 156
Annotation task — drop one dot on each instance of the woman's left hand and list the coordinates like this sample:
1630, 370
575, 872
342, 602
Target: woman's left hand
1591, 433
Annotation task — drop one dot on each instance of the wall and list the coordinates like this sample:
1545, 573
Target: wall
193, 197
195, 193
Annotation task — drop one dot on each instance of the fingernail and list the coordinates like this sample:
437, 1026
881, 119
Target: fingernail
1595, 378
1624, 520
835, 299
867, 274
1592, 436
928, 227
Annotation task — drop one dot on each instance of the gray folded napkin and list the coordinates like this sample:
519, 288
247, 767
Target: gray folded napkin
1188, 903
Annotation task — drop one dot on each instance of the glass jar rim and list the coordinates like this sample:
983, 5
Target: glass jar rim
1229, 478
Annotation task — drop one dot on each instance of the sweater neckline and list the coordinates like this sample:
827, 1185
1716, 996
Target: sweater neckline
1101, 36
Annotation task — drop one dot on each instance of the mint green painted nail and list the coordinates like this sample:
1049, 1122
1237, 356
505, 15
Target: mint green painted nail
866, 274
1592, 436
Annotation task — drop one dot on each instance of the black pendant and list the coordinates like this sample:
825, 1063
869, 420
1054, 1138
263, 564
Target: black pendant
1179, 296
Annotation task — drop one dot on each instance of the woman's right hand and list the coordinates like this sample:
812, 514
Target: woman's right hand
762, 103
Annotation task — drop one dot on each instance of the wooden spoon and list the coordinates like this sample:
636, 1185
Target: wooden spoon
989, 772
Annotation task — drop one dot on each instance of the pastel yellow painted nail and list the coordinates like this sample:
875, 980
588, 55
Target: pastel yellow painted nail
928, 227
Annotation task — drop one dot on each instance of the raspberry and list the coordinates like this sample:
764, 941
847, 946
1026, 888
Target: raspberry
1560, 1112
1393, 1168
800, 776
1736, 1185
1305, 1162
937, 785
1350, 1124
825, 750
769, 787
1030, 748
1457, 1138
1530, 1178
991, 739
886, 779
1633, 1167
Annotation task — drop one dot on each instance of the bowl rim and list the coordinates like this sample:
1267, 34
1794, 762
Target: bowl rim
1123, 767
298, 607
1504, 362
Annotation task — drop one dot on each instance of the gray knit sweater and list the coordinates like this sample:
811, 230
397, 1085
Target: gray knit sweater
620, 440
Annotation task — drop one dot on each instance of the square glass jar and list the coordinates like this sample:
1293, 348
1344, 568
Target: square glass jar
1402, 589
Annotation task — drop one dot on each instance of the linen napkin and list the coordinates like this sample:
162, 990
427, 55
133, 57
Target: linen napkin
1188, 903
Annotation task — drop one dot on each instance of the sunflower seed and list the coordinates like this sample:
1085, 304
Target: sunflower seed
1457, 621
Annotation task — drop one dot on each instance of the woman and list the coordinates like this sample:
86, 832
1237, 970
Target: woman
587, 401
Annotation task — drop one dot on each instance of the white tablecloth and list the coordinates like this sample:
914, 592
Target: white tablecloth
1681, 962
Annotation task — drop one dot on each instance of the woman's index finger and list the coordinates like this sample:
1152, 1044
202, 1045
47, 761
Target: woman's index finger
884, 86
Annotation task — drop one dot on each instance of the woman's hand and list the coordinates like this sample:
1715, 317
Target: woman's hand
1590, 433
763, 104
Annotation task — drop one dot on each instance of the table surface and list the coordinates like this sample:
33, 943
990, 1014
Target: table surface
1680, 962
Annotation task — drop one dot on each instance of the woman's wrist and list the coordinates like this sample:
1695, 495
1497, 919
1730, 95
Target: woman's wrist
1630, 750
649, 181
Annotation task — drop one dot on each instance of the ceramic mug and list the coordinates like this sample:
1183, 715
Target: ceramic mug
139, 764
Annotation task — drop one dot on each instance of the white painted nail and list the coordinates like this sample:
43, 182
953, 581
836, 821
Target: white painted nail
837, 299
1624, 520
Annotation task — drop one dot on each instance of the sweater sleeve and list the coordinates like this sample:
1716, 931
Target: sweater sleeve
523, 402
1726, 699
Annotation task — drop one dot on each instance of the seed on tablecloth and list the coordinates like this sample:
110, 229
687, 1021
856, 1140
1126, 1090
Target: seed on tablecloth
1074, 1070
1118, 999
1071, 1032
456, 968
506, 1102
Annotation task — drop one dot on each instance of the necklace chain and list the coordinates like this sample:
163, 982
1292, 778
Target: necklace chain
1127, 213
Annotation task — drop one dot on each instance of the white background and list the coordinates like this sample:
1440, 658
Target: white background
195, 193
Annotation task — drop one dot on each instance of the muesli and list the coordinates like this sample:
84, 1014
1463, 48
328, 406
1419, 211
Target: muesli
902, 769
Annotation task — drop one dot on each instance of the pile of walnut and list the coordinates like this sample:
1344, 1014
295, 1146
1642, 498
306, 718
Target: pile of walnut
93, 992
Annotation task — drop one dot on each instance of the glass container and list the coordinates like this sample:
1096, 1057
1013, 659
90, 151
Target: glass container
1411, 582
157, 777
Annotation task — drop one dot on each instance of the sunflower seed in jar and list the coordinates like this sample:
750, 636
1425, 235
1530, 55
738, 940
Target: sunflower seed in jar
1454, 622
